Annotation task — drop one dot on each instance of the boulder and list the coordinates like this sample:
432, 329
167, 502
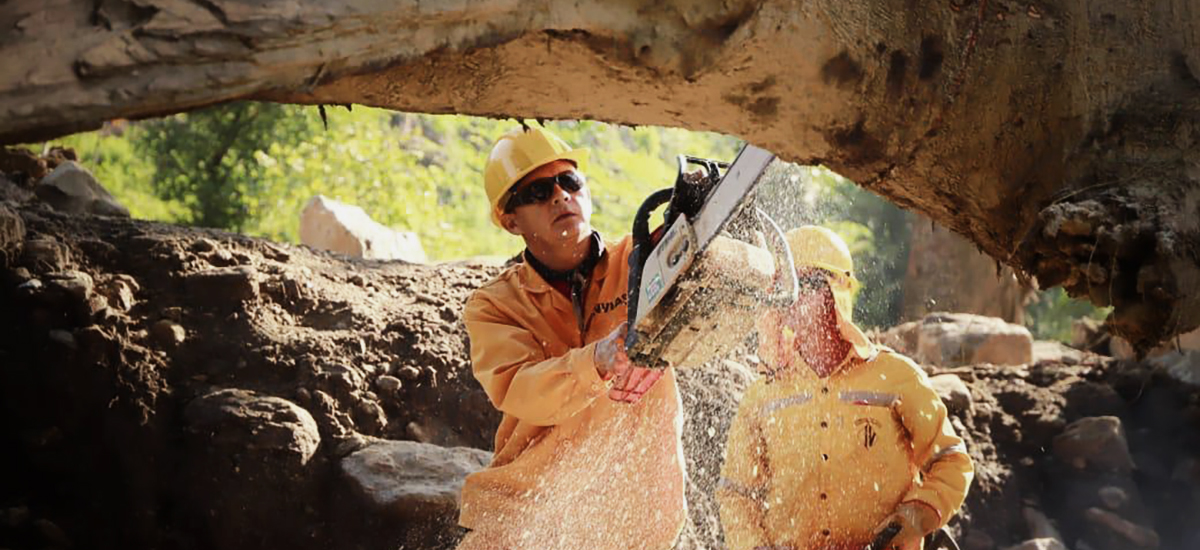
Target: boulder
223, 285
1040, 526
71, 188
168, 333
327, 224
242, 421
953, 391
954, 339
76, 284
1141, 537
120, 291
903, 338
411, 480
1056, 352
1096, 442
250, 469
44, 254
1182, 365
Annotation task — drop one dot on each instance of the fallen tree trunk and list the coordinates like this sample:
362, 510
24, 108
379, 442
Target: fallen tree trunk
1060, 138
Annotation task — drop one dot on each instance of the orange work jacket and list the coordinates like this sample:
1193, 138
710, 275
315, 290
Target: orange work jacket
572, 468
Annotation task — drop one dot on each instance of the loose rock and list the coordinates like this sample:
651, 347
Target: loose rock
249, 468
119, 291
1097, 442
168, 333
409, 372
75, 284
1039, 525
411, 480
241, 420
63, 338
224, 285
953, 339
954, 393
45, 255
327, 224
1141, 536
388, 383
71, 188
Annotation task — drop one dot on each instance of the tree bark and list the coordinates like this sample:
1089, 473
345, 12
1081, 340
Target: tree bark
1061, 138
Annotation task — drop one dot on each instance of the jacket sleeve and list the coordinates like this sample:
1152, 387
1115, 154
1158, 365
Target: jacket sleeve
519, 379
946, 468
771, 339
742, 489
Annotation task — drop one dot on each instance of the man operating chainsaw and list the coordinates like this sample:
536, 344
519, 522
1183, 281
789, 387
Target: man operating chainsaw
588, 453
841, 444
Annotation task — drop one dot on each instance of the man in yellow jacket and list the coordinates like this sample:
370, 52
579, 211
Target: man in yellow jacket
588, 452
840, 438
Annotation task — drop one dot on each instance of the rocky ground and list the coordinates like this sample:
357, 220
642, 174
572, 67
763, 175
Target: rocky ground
166, 387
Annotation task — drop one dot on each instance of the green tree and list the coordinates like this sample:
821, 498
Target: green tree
205, 159
876, 231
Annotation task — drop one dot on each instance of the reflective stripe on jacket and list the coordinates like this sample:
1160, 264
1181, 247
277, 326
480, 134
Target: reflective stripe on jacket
572, 468
820, 463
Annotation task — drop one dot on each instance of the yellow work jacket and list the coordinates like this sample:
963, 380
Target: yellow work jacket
815, 463
572, 468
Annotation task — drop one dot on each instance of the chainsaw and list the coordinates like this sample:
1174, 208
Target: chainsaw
696, 292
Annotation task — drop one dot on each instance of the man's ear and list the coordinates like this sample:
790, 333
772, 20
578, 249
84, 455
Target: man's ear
508, 221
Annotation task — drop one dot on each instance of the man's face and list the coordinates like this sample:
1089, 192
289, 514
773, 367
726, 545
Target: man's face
814, 305
563, 218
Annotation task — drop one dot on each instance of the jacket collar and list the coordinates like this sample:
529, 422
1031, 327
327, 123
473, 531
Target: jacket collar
535, 276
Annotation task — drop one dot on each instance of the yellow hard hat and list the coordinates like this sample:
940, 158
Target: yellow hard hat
518, 153
815, 246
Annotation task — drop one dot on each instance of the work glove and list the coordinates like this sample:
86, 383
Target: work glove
629, 382
915, 519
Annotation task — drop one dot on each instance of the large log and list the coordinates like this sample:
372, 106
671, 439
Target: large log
1061, 138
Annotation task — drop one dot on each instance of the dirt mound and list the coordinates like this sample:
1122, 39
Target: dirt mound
184, 388
113, 327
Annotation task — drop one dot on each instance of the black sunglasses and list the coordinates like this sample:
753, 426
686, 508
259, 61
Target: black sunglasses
540, 189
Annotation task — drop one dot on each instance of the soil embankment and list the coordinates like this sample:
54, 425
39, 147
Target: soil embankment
166, 387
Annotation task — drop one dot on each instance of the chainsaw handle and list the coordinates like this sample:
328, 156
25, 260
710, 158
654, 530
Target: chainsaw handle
783, 293
642, 245
884, 538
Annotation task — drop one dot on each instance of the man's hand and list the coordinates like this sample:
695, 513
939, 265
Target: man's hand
915, 519
630, 382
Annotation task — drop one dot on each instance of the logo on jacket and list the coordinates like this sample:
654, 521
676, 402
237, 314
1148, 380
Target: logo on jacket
869, 428
609, 306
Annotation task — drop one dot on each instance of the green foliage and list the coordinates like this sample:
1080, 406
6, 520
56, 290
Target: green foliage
876, 231
111, 156
1052, 313
251, 167
205, 159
